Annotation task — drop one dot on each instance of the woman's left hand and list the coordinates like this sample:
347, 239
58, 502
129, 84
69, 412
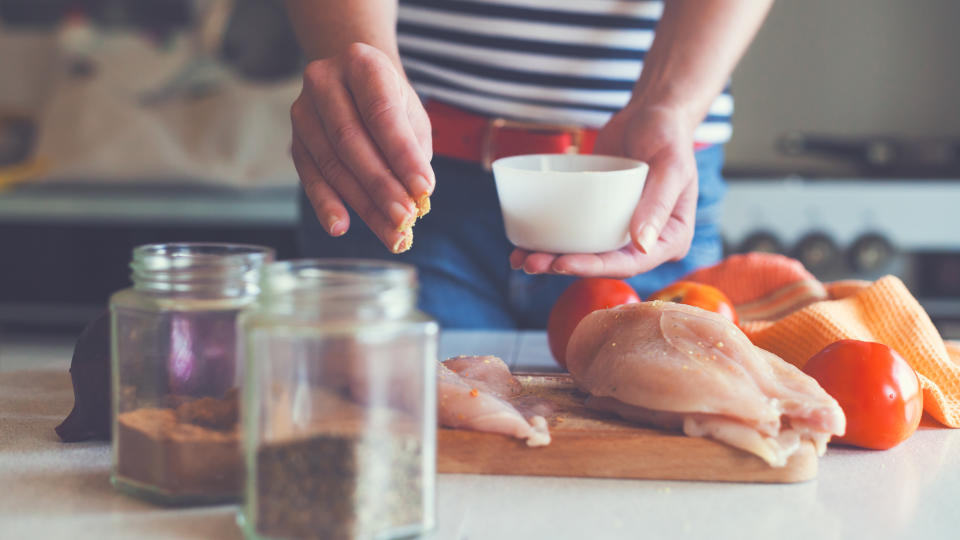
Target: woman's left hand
662, 226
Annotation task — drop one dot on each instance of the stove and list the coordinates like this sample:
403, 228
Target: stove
843, 228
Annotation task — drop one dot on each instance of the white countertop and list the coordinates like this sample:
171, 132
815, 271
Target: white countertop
53, 490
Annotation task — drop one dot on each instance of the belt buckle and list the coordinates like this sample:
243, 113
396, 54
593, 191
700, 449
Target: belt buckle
488, 146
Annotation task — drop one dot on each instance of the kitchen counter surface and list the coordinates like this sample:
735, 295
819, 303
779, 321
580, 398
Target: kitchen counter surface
55, 490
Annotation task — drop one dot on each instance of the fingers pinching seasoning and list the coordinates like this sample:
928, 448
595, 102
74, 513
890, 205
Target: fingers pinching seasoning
360, 133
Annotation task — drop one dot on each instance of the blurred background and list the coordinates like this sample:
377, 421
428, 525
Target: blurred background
124, 122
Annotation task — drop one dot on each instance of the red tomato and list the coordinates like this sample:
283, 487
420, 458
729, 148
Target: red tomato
877, 389
696, 294
580, 299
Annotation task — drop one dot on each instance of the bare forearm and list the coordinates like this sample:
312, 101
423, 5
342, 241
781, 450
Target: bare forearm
326, 28
697, 45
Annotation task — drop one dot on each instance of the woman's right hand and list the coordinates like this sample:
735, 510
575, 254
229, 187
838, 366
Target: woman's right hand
362, 138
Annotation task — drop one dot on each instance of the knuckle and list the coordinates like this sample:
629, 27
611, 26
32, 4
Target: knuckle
297, 110
683, 169
380, 110
363, 58
660, 210
368, 68
329, 167
344, 136
315, 74
380, 186
357, 51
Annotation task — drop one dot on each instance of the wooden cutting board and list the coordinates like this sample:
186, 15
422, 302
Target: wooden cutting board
588, 443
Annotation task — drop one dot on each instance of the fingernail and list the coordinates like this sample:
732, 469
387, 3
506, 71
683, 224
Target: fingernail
515, 266
558, 270
404, 243
423, 206
407, 223
419, 187
647, 238
335, 226
401, 216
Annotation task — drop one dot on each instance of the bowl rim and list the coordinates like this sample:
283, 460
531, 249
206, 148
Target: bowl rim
503, 163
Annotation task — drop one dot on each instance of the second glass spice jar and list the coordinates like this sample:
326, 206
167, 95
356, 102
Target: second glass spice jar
339, 412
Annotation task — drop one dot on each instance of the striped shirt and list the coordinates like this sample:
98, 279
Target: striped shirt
552, 61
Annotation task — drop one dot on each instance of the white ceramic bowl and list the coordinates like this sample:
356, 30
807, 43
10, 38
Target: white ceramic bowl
568, 203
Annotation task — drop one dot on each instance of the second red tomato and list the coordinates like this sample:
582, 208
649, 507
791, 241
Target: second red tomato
580, 299
700, 295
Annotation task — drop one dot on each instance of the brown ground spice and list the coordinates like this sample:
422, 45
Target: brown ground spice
190, 450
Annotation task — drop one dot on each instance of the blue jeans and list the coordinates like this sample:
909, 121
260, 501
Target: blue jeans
461, 251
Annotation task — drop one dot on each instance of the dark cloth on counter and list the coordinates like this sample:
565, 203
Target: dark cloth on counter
90, 373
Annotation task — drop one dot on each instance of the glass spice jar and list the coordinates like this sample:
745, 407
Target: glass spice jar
175, 371
339, 406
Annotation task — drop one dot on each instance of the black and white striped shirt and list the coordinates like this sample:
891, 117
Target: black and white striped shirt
555, 61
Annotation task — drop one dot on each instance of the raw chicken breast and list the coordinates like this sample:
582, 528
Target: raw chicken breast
473, 393
680, 367
487, 373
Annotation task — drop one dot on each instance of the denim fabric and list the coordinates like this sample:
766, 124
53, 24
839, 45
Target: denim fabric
461, 251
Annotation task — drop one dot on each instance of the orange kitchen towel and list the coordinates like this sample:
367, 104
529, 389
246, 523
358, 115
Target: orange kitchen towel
785, 310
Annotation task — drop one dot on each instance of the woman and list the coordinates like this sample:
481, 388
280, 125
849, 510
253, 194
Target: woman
391, 88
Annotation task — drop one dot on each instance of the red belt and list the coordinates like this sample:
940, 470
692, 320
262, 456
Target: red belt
482, 139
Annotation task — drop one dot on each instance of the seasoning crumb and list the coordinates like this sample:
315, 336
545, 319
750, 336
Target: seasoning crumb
719, 344
474, 393
561, 419
613, 343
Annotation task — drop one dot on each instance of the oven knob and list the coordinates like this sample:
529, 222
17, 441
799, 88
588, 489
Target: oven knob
870, 253
725, 246
761, 241
817, 252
